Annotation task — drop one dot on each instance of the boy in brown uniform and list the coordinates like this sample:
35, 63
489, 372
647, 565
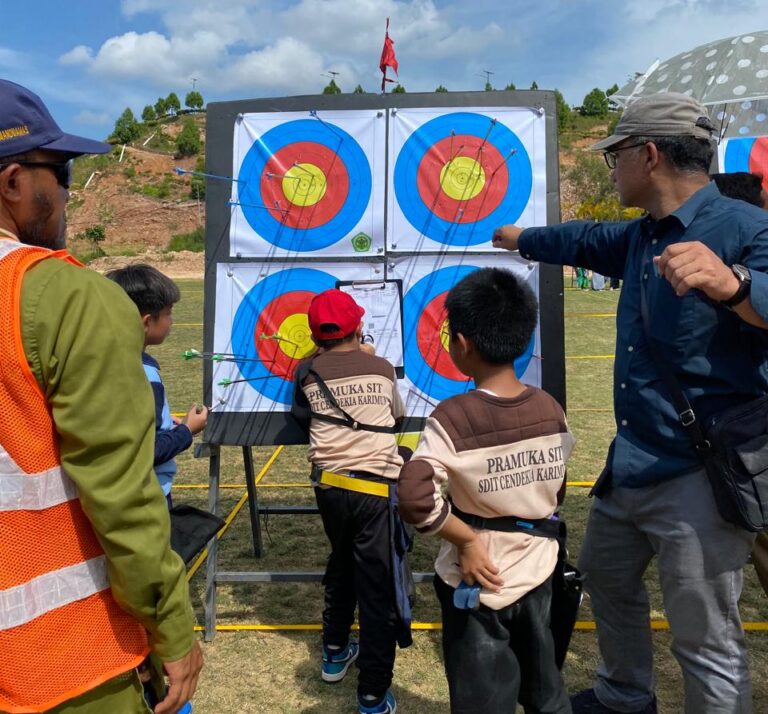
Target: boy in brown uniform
501, 451
351, 397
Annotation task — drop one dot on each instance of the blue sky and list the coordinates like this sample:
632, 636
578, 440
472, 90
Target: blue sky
89, 59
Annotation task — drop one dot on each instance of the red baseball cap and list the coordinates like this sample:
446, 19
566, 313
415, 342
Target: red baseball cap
334, 307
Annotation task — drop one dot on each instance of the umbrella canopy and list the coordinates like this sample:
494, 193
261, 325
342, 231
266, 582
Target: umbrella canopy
730, 76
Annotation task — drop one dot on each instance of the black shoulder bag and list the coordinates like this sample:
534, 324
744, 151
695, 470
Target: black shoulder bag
733, 446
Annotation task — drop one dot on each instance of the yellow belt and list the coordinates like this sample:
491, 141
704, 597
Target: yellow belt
358, 485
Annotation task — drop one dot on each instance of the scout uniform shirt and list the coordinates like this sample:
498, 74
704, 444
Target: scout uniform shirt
365, 387
499, 457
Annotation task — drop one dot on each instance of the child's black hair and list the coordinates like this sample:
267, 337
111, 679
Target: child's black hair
330, 344
496, 311
147, 287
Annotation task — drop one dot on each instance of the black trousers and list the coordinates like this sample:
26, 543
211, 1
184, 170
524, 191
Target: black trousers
359, 573
497, 658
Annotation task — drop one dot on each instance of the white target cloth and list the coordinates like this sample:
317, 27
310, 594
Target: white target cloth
430, 375
456, 175
308, 184
261, 330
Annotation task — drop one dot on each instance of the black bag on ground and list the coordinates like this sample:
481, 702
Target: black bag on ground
191, 529
737, 463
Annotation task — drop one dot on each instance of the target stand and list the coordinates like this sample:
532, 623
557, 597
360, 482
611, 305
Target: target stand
360, 187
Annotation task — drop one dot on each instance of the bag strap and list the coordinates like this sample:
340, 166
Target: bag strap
680, 402
347, 419
543, 527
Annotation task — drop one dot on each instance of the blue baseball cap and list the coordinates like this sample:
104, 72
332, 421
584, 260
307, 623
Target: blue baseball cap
26, 124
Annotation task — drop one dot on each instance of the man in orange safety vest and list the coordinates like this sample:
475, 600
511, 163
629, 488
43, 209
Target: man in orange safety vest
88, 583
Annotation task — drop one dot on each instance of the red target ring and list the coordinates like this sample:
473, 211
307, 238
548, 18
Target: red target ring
428, 339
276, 355
450, 195
331, 170
758, 159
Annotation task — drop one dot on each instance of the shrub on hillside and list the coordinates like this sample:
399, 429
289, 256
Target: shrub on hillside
194, 241
188, 140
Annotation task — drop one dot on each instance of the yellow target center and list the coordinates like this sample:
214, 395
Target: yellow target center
462, 178
304, 184
294, 337
445, 336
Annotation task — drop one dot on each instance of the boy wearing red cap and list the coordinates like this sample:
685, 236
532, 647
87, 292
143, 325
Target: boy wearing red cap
350, 399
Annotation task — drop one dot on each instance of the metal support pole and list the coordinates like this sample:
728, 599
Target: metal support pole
214, 466
253, 503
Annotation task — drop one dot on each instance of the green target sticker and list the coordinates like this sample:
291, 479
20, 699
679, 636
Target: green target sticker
362, 243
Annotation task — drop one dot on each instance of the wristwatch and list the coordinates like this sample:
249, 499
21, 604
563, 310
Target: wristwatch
745, 283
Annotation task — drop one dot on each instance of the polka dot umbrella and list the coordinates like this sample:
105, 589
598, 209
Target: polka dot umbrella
730, 76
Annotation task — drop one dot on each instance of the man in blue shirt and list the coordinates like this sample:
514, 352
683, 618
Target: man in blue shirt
703, 260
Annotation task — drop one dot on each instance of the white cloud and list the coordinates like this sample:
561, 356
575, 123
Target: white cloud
288, 64
77, 55
90, 118
270, 47
10, 59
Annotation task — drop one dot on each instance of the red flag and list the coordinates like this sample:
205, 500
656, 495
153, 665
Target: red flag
388, 58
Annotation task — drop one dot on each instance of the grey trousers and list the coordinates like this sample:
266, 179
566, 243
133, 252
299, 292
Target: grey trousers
700, 559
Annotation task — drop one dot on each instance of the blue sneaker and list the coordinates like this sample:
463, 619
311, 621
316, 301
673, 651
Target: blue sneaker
336, 664
388, 705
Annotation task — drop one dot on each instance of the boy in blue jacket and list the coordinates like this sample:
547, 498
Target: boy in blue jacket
155, 295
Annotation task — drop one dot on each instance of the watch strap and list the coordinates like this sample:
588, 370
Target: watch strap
745, 283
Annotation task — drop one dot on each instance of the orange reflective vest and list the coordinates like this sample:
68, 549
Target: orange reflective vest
61, 631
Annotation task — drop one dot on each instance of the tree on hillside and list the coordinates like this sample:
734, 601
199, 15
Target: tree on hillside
332, 88
595, 104
172, 103
196, 181
534, 85
188, 140
563, 112
126, 129
510, 87
358, 89
441, 89
194, 101
590, 178
148, 114
399, 89
161, 108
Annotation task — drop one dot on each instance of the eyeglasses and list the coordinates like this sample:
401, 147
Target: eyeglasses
61, 170
610, 156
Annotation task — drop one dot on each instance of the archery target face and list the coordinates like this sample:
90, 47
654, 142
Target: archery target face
261, 328
308, 184
430, 375
456, 176
750, 155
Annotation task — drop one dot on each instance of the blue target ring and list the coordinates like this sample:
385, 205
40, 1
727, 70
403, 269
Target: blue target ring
349, 153
256, 300
420, 215
421, 374
737, 153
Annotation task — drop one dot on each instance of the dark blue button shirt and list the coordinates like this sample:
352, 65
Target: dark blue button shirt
718, 359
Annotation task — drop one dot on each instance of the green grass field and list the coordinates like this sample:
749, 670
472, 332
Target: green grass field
279, 672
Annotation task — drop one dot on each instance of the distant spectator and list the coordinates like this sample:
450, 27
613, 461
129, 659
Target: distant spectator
742, 186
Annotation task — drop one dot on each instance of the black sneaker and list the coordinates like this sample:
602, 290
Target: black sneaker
586, 702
